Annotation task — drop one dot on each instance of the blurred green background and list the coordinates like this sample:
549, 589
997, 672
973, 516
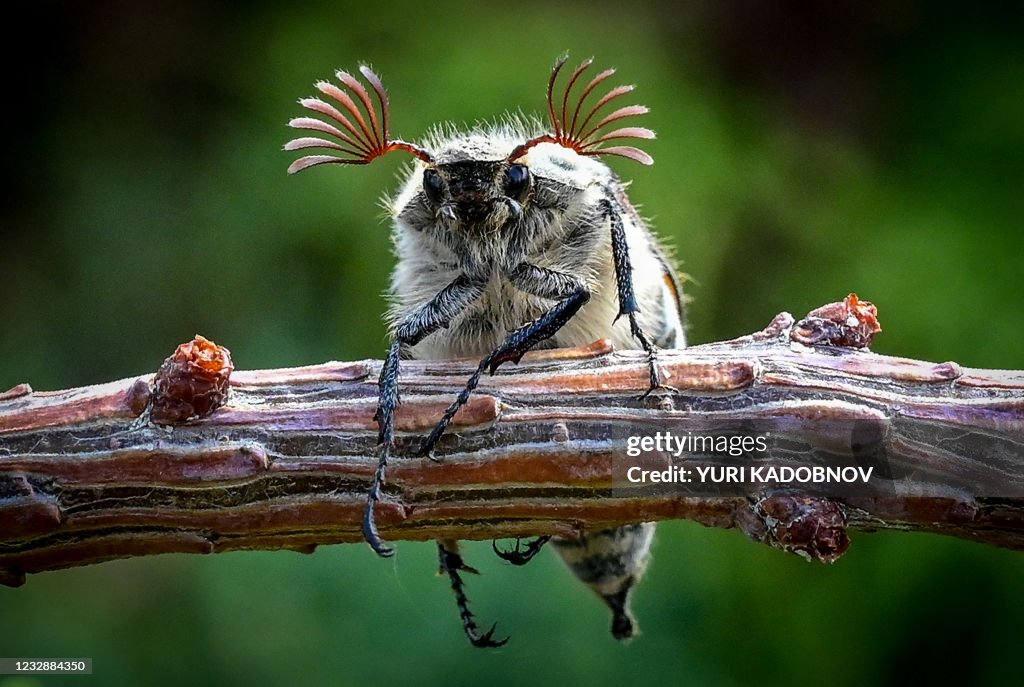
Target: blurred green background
804, 151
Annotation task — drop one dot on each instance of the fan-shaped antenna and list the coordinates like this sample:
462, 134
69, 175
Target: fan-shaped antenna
355, 140
573, 126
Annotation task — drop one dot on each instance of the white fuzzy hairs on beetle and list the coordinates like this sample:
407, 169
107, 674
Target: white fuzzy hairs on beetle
511, 238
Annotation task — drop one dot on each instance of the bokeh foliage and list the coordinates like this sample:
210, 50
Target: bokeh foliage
802, 154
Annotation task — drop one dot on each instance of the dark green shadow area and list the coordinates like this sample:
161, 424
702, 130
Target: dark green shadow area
801, 155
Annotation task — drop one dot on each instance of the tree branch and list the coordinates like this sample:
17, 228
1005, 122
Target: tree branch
86, 476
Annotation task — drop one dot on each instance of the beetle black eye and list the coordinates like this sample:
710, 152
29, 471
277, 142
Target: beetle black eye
517, 181
433, 185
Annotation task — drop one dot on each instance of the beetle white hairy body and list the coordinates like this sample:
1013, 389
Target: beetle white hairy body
563, 229
509, 240
572, 237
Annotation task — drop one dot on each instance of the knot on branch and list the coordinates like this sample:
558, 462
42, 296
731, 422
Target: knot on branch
192, 383
813, 528
851, 322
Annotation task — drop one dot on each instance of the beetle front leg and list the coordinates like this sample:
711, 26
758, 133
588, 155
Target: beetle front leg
571, 293
425, 320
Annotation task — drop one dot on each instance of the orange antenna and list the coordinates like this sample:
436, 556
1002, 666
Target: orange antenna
359, 142
579, 134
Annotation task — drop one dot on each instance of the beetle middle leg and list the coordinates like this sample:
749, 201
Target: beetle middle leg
627, 297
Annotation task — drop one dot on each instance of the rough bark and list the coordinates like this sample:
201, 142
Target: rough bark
86, 476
